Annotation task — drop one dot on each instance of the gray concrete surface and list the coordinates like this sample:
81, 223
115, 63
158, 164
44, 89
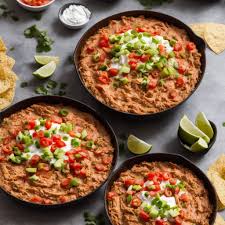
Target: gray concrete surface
160, 131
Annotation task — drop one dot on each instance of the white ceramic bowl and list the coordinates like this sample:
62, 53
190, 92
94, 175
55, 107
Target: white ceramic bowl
35, 8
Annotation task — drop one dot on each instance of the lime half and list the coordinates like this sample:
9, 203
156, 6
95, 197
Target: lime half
189, 133
137, 146
45, 71
45, 59
204, 125
199, 146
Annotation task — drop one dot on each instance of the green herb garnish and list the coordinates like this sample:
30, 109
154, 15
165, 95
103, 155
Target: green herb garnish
51, 84
24, 84
41, 90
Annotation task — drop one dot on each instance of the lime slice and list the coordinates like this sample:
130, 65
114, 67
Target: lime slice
199, 145
45, 71
137, 146
189, 133
204, 125
45, 59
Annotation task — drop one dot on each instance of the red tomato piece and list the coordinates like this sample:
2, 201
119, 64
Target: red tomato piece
31, 124
62, 199
103, 43
6, 140
6, 150
129, 182
150, 175
2, 158
20, 146
172, 181
72, 133
190, 46
181, 69
99, 167
135, 202
168, 192
161, 49
53, 147
45, 142
152, 84
77, 166
111, 195
178, 221
36, 199
133, 65
144, 216
144, 58
34, 160
41, 134
48, 124
173, 94
65, 183
176, 190
35, 135
107, 160
56, 137
180, 81
166, 176
90, 50
103, 78
60, 144
177, 47
159, 222
113, 72
184, 197
140, 29
155, 33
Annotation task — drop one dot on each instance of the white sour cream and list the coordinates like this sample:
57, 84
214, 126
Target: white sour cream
76, 15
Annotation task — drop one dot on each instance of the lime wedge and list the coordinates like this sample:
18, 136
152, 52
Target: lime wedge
45, 71
137, 146
204, 125
189, 133
199, 145
45, 59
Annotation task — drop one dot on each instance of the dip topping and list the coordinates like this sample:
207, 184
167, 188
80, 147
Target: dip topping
76, 15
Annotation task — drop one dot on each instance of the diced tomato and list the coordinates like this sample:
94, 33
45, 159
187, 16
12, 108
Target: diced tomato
152, 193
104, 42
65, 183
144, 58
6, 140
30, 125
41, 134
150, 176
184, 197
190, 46
6, 150
56, 119
107, 160
72, 133
56, 137
15, 132
181, 69
133, 65
71, 158
36, 199
133, 55
178, 221
140, 29
144, 216
20, 146
99, 167
168, 192
48, 124
129, 182
35, 135
34, 160
136, 202
166, 176
154, 33
111, 195
62, 199
180, 81
103, 78
157, 188
90, 50
2, 158
173, 94
76, 166
172, 181
159, 222
53, 147
113, 72
161, 49
152, 84
176, 190
45, 142
177, 47
60, 144
102, 57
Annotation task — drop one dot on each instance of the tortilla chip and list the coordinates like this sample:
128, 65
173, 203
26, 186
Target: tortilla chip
4, 85
219, 166
6, 60
6, 98
219, 220
199, 29
219, 185
215, 37
2, 46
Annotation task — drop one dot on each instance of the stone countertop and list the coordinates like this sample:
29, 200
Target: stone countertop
160, 131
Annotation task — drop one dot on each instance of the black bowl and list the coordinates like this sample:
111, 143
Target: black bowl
65, 101
211, 143
199, 42
175, 158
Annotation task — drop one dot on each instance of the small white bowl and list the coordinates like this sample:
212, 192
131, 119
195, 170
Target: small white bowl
75, 27
34, 8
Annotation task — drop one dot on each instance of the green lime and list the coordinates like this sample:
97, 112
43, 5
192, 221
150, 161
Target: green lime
199, 145
45, 71
45, 59
204, 125
137, 146
189, 133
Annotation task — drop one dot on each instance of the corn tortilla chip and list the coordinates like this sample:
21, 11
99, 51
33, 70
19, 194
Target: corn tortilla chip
219, 220
199, 29
2, 46
6, 60
215, 37
219, 166
6, 98
4, 85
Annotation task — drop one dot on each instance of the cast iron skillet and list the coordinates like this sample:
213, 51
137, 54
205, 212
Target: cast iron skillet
65, 101
175, 158
200, 44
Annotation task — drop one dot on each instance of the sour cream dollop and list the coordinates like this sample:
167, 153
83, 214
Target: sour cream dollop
76, 15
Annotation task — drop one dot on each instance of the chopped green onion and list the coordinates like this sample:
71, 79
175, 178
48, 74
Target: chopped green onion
63, 112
